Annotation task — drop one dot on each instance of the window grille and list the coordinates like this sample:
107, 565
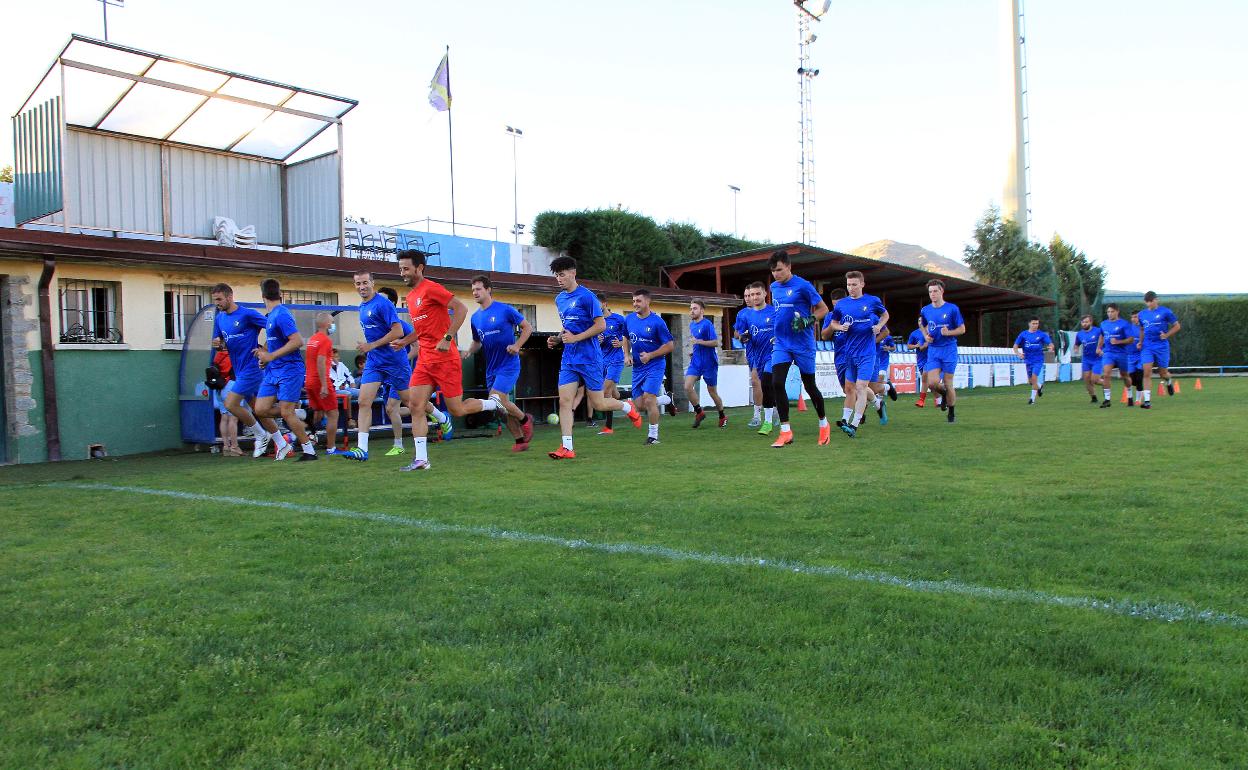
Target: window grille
90, 311
296, 297
182, 302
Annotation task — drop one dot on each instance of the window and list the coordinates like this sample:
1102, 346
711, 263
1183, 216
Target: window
295, 297
89, 312
529, 312
182, 302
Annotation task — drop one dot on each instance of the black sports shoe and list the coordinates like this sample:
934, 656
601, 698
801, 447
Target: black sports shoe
651, 441
305, 457
1130, 402
1040, 393
950, 416
1106, 404
943, 405
892, 392
1094, 399
1146, 405
1170, 387
839, 423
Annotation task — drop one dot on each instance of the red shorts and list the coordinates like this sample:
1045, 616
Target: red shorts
445, 374
327, 404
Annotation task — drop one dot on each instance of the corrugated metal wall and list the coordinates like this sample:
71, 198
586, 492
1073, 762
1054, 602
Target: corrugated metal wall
37, 167
312, 200
113, 183
206, 185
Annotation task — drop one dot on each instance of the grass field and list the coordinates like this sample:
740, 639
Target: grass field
1047, 586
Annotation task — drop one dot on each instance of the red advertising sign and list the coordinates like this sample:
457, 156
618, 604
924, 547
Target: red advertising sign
903, 377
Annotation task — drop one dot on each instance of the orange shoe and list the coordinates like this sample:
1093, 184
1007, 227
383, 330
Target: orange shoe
562, 454
920, 403
634, 416
786, 438
825, 435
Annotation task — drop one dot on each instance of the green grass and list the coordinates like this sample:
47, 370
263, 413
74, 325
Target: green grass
146, 631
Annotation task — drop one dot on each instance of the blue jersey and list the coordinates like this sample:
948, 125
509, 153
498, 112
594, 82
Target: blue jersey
794, 298
914, 341
1155, 322
947, 316
495, 328
1089, 339
859, 314
614, 331
1033, 345
646, 335
760, 324
882, 351
1116, 331
279, 327
240, 331
377, 317
837, 337
1133, 352
577, 310
703, 357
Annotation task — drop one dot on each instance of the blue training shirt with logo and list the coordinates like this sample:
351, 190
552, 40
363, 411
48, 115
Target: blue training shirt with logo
794, 298
614, 331
279, 327
1033, 345
947, 316
646, 335
577, 310
760, 323
1154, 323
1116, 331
1088, 339
914, 341
495, 328
859, 314
377, 316
240, 331
703, 356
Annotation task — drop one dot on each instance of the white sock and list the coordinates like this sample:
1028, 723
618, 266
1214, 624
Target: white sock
654, 430
422, 447
626, 408
280, 440
1148, 397
362, 440
859, 409
847, 413
567, 443
1108, 395
663, 400
398, 442
784, 428
758, 412
437, 415
1033, 395
823, 422
308, 448
489, 405
769, 414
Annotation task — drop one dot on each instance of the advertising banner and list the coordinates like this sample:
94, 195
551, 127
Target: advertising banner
904, 377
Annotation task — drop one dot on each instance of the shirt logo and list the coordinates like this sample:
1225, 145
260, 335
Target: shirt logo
418, 299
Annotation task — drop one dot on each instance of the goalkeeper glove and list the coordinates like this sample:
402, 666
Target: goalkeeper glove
803, 322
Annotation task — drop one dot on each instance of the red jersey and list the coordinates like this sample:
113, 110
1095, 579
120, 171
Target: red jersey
318, 345
222, 361
429, 307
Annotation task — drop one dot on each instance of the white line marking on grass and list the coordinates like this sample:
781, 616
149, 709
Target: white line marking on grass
1164, 611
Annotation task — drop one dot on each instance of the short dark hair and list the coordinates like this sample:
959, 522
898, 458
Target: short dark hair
361, 358
416, 256
1088, 316
1108, 305
1149, 296
856, 274
936, 282
757, 285
222, 288
838, 293
1035, 318
390, 293
270, 289
484, 280
601, 296
698, 302
369, 273
561, 263
777, 257
641, 292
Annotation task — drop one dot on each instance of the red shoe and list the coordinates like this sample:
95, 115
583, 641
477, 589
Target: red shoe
634, 416
786, 438
825, 435
520, 447
606, 432
723, 421
919, 403
698, 417
526, 430
562, 454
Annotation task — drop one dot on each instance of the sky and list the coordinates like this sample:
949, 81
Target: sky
1137, 113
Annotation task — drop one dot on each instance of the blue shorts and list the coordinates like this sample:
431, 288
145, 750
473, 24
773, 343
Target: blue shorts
590, 374
1159, 355
611, 370
1121, 362
504, 380
391, 378
943, 359
218, 399
1092, 365
760, 362
709, 374
920, 364
648, 380
285, 384
1035, 370
246, 386
860, 367
839, 365
881, 370
805, 359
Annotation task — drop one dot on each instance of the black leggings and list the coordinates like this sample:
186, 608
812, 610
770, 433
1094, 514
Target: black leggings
769, 395
779, 375
1137, 379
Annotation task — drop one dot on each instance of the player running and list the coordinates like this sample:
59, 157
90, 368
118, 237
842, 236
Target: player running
1030, 346
1089, 337
393, 403
283, 371
581, 363
647, 343
611, 342
944, 324
494, 331
918, 343
703, 363
880, 384
1116, 335
798, 308
1159, 324
237, 330
861, 317
436, 317
755, 327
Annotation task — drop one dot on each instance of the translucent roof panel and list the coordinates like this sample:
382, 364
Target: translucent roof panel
129, 91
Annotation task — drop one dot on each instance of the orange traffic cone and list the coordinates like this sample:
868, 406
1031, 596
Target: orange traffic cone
1124, 396
801, 400
1198, 385
1177, 389
1161, 389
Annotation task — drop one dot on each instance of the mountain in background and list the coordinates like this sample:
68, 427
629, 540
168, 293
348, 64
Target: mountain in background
913, 256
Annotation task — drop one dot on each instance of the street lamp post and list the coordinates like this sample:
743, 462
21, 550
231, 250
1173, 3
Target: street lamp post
735, 190
516, 227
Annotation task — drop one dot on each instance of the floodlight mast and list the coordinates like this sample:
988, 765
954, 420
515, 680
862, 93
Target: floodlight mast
106, 3
806, 131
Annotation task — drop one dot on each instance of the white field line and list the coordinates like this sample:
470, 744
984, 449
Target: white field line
1168, 612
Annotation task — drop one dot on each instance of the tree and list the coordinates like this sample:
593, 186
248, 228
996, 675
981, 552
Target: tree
609, 244
6, 174
1001, 256
1082, 282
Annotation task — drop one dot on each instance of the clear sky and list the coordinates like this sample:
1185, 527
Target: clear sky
1138, 112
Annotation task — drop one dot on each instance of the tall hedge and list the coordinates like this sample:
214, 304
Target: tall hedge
1212, 333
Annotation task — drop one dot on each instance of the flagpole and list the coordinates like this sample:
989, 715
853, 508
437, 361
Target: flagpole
450, 137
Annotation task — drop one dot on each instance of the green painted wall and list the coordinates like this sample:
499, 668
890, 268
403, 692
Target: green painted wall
34, 448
